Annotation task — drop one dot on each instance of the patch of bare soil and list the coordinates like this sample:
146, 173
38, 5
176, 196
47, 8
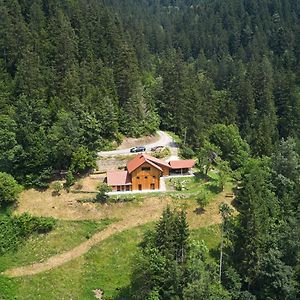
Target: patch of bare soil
133, 142
89, 183
98, 294
113, 163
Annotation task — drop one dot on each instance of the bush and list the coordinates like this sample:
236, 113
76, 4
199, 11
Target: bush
162, 154
202, 200
14, 230
9, 189
179, 184
70, 179
102, 196
82, 160
186, 152
57, 187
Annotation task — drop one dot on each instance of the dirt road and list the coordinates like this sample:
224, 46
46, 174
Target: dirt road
164, 140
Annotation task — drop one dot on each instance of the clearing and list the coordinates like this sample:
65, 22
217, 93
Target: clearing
131, 215
93, 245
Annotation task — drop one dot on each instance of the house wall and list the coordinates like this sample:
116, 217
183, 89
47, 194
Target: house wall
145, 178
166, 171
117, 188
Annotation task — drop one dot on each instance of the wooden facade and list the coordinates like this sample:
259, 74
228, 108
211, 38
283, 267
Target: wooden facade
145, 177
166, 170
144, 172
121, 188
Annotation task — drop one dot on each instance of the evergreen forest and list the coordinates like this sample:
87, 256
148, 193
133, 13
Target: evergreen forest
76, 76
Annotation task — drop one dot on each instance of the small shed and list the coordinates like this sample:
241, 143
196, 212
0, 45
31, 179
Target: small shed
119, 180
182, 166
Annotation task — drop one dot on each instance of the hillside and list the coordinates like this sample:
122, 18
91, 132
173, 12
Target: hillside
220, 79
77, 74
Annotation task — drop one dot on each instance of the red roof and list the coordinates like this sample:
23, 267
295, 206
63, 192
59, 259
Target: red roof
144, 158
118, 178
156, 160
182, 164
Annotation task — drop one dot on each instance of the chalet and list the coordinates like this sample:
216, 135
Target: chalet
144, 172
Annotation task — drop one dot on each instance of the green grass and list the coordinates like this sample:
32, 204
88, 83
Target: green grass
210, 235
195, 185
106, 266
65, 236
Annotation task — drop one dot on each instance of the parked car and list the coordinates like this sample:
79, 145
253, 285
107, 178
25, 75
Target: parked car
138, 149
157, 148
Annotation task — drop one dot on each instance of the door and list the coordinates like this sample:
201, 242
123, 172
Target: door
140, 187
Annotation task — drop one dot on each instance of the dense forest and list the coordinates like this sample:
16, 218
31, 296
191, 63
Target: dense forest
78, 75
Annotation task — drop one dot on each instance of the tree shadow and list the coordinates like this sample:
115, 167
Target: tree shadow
214, 188
199, 210
124, 293
41, 188
215, 253
55, 193
8, 208
199, 176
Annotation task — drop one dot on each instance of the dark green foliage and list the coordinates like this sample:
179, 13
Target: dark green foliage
223, 75
202, 200
76, 75
232, 147
14, 230
70, 179
262, 245
170, 266
186, 152
9, 189
83, 160
102, 196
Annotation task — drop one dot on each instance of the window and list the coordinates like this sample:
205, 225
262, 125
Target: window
146, 169
154, 177
146, 177
137, 177
118, 188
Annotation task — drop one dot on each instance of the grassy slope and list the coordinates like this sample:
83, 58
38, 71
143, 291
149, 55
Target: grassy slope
105, 267
39, 247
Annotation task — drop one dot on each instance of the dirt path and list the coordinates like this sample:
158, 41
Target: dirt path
163, 139
136, 218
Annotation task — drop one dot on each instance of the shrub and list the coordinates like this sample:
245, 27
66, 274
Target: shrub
186, 152
179, 185
102, 194
162, 154
9, 189
14, 230
57, 187
202, 200
70, 179
82, 160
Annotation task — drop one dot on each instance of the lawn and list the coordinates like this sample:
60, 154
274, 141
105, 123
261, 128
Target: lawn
39, 247
193, 185
105, 267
